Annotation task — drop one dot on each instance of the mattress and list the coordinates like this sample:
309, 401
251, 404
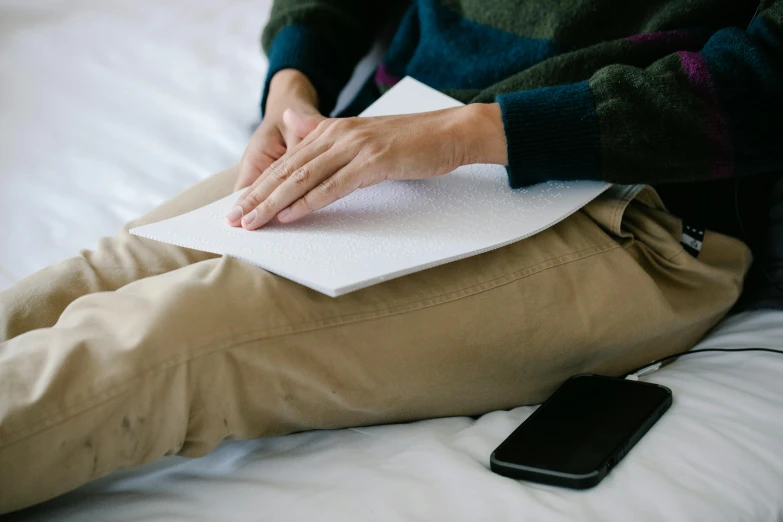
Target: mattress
109, 108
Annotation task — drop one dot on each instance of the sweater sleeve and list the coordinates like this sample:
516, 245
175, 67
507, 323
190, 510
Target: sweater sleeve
324, 39
690, 116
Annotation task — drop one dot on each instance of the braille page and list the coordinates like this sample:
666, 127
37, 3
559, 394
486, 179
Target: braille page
391, 229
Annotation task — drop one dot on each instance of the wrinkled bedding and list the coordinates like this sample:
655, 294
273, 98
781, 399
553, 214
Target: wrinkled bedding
109, 108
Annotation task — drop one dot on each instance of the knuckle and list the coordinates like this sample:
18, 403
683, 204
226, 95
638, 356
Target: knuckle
330, 185
325, 124
252, 200
281, 171
301, 176
266, 206
272, 166
306, 202
342, 125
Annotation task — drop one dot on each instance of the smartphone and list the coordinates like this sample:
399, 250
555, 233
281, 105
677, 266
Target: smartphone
582, 431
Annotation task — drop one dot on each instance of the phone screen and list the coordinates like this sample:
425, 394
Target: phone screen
581, 424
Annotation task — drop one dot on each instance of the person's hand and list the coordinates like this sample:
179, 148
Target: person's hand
343, 155
289, 89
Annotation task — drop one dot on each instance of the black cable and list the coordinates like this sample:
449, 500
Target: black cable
761, 267
766, 274
688, 352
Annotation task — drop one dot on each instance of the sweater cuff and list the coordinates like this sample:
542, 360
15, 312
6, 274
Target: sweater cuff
305, 49
552, 134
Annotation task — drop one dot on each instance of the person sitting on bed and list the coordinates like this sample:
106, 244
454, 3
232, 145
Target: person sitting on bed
141, 349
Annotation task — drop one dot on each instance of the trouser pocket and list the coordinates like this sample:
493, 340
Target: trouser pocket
609, 210
635, 217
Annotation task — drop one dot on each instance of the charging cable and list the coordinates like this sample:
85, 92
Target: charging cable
634, 375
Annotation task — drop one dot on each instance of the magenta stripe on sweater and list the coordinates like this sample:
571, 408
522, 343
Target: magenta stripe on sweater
384, 77
721, 150
671, 41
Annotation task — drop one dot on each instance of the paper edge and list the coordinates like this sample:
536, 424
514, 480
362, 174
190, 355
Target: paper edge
358, 286
410, 79
346, 289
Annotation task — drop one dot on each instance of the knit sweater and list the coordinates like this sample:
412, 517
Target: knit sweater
652, 92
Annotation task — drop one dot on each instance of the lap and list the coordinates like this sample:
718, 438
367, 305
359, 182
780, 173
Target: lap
176, 362
604, 290
594, 293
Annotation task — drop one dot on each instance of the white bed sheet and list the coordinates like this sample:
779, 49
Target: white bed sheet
108, 108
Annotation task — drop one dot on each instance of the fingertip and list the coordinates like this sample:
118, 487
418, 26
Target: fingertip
251, 221
234, 216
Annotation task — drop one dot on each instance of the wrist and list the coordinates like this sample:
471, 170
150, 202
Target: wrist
482, 134
290, 87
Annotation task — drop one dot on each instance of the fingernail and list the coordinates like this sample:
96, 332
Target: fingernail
234, 215
248, 220
283, 213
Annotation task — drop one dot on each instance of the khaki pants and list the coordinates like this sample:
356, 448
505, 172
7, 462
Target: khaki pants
141, 349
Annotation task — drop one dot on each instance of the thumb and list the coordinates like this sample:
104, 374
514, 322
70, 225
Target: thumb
301, 123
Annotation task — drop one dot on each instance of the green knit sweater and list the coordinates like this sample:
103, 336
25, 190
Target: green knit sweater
653, 91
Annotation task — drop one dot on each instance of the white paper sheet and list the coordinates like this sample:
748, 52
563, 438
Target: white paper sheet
391, 229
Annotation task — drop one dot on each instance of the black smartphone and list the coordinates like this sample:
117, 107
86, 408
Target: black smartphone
581, 431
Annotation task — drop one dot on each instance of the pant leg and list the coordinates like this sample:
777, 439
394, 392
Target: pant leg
173, 364
38, 300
